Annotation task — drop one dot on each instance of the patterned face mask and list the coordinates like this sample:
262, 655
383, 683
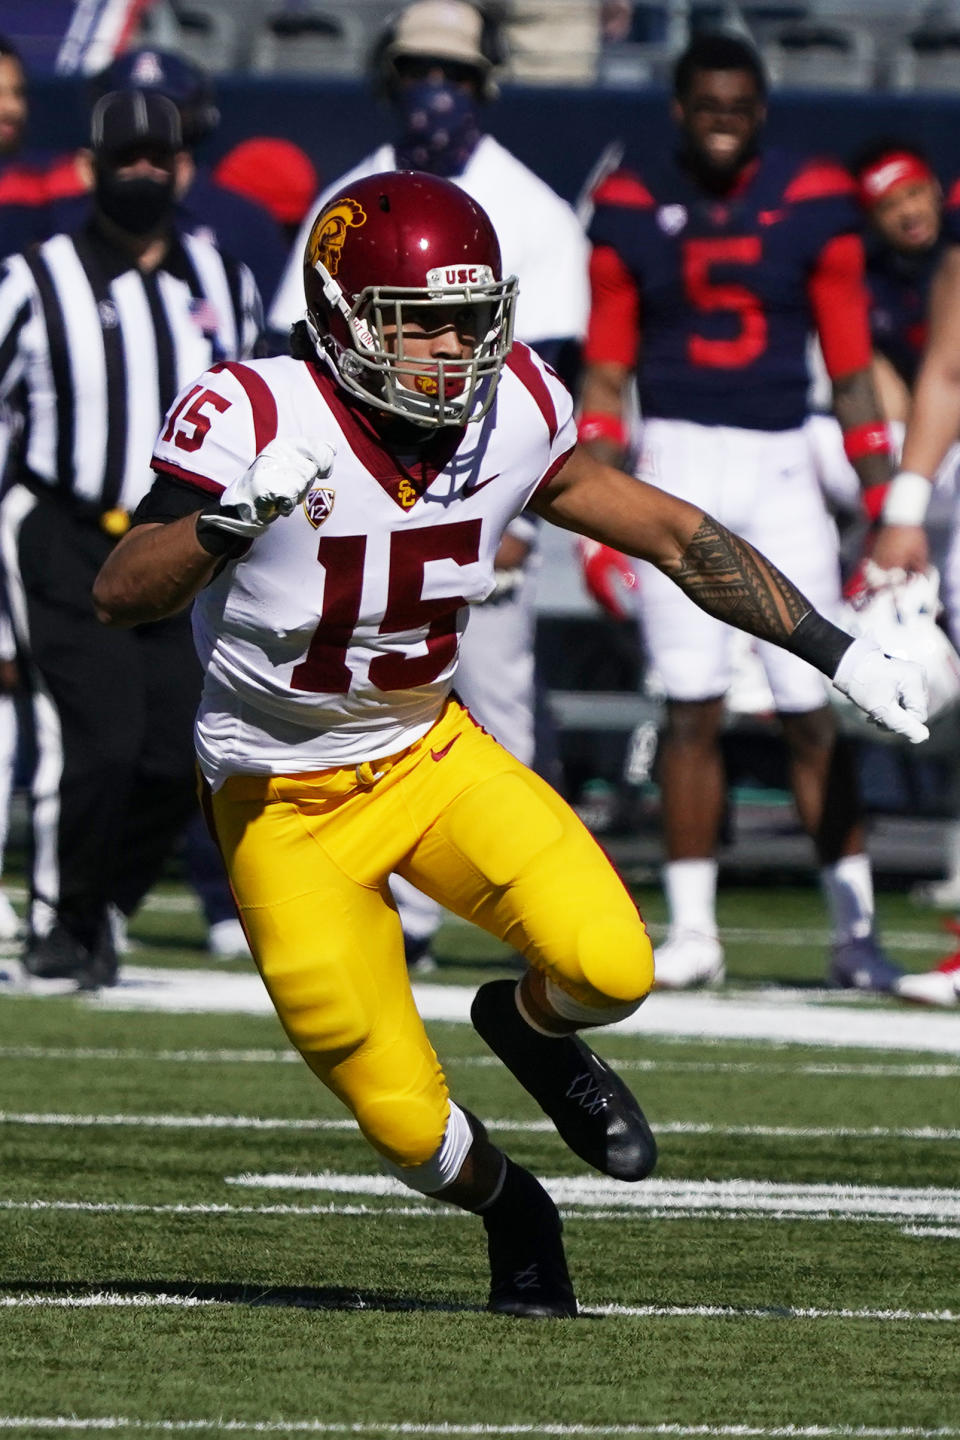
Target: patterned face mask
439, 127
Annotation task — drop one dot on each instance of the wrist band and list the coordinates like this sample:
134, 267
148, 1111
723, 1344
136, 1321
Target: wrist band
600, 425
872, 500
870, 439
217, 542
907, 499
818, 641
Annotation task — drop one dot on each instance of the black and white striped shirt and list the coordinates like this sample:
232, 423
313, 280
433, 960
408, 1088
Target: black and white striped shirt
93, 352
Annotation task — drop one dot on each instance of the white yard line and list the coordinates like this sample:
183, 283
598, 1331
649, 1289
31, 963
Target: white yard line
780, 1199
124, 1300
801, 1017
448, 1428
927, 1211
504, 1126
894, 1071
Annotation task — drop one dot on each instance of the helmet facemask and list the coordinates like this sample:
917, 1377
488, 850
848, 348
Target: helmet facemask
431, 392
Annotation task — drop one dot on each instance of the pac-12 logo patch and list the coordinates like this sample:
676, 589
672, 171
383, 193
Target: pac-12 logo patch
672, 218
317, 504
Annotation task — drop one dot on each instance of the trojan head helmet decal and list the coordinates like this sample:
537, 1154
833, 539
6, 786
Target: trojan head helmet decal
388, 257
330, 230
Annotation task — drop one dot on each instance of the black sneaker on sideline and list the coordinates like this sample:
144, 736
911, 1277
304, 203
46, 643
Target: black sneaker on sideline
594, 1112
58, 955
528, 1268
102, 967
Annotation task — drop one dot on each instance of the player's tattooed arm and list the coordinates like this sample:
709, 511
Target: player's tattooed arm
721, 572
725, 576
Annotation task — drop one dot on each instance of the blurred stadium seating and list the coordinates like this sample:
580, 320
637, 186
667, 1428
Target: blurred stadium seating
839, 45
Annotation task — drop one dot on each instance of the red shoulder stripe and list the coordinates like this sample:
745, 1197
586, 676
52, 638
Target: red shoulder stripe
22, 187
521, 362
818, 180
63, 180
202, 482
262, 402
953, 194
622, 188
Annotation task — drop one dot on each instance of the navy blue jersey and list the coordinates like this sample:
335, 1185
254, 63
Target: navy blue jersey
727, 291
899, 287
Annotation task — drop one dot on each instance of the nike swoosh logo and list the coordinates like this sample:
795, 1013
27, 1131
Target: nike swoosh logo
439, 754
469, 490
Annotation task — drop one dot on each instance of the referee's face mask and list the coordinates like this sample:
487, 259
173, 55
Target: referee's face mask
136, 193
135, 136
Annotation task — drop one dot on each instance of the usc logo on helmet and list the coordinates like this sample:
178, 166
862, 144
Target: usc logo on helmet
330, 231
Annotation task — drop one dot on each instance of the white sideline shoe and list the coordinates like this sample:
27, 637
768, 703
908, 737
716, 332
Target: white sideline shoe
227, 941
934, 987
688, 958
940, 894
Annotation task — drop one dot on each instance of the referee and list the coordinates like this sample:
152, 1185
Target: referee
99, 329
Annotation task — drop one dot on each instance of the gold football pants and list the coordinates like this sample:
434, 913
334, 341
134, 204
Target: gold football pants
309, 856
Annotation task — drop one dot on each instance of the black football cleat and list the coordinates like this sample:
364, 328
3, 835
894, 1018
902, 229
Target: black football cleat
58, 955
528, 1269
594, 1112
102, 967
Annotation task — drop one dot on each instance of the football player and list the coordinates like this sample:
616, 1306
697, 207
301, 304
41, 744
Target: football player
332, 514
916, 293
732, 254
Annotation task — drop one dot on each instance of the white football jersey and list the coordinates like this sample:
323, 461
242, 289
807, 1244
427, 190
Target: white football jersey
334, 639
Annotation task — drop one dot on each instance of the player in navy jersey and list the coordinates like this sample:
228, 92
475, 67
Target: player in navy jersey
903, 201
915, 234
726, 256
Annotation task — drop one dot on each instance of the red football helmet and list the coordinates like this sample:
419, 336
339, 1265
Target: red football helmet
383, 255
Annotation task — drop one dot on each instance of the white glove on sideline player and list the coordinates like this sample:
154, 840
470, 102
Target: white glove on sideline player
892, 692
274, 485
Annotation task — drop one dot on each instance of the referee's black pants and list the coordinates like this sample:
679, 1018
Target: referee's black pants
114, 709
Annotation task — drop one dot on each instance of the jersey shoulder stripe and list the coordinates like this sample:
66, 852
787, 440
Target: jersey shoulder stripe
263, 403
625, 189
522, 364
821, 179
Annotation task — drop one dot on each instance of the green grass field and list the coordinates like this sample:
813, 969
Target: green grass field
193, 1241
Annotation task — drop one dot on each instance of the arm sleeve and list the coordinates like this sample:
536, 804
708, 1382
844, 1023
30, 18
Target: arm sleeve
613, 332
841, 307
167, 499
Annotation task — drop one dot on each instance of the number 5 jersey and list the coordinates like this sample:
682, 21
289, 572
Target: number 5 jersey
334, 639
727, 289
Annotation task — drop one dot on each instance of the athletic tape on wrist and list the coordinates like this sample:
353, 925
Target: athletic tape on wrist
819, 642
599, 425
217, 542
873, 500
870, 439
907, 498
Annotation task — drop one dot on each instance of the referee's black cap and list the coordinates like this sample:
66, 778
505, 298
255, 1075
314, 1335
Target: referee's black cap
127, 118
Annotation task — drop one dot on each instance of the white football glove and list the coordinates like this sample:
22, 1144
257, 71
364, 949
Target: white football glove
891, 692
274, 485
